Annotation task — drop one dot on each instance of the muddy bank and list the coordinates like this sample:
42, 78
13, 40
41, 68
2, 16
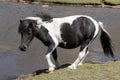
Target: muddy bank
14, 62
80, 3
92, 4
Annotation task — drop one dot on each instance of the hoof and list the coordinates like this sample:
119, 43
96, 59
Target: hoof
51, 69
72, 67
80, 64
69, 69
50, 72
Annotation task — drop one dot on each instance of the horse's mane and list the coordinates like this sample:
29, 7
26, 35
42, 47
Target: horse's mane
24, 24
45, 16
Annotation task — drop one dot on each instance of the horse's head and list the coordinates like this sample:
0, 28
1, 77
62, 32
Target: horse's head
27, 30
28, 26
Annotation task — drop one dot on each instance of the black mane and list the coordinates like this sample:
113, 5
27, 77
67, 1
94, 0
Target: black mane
24, 24
45, 16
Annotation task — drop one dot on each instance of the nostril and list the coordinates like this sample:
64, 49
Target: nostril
22, 48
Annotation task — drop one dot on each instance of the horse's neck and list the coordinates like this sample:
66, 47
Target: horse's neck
42, 35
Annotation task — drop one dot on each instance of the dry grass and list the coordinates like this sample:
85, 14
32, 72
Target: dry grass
74, 1
107, 71
113, 1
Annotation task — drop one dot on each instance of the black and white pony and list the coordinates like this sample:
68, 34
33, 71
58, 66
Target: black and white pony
67, 32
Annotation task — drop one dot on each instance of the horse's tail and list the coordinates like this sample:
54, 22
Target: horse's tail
106, 41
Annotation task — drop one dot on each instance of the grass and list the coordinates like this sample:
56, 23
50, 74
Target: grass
88, 71
112, 1
74, 1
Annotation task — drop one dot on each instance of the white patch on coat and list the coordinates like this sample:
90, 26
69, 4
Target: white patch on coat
55, 26
38, 19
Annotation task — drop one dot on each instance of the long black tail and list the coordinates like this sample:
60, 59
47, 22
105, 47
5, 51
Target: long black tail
106, 41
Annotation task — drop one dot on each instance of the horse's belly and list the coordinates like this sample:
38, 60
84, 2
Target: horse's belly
69, 45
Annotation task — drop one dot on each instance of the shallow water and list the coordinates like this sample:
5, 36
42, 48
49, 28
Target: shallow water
14, 62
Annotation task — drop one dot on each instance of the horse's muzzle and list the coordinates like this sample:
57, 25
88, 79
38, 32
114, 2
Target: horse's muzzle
23, 47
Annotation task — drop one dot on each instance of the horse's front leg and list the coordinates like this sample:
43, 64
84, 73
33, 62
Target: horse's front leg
55, 57
50, 50
50, 63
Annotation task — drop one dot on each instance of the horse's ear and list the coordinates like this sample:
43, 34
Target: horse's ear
33, 24
21, 21
20, 28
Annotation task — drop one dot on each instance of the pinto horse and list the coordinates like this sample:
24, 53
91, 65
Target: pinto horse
67, 32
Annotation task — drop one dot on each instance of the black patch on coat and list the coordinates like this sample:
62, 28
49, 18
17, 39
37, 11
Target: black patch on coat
80, 31
43, 35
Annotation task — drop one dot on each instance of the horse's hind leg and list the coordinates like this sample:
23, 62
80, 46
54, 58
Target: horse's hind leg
55, 57
77, 61
82, 53
81, 61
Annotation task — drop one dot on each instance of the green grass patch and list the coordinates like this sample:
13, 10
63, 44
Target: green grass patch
74, 1
112, 1
88, 71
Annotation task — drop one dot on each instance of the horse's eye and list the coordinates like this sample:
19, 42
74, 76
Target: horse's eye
29, 31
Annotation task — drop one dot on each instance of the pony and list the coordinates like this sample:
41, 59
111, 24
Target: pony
66, 32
